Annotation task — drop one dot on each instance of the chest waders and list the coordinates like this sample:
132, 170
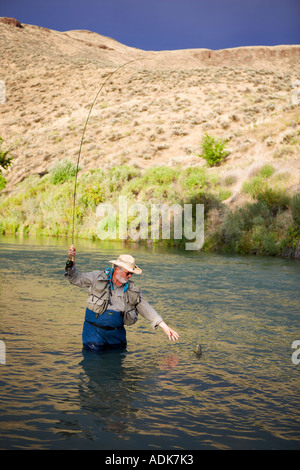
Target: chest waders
104, 331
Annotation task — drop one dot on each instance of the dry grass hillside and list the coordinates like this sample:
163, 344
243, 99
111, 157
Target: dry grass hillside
152, 112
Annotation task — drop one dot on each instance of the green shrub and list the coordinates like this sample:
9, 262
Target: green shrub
232, 229
5, 162
213, 150
194, 179
245, 229
259, 188
295, 208
253, 186
209, 200
266, 170
224, 194
257, 213
93, 194
2, 182
118, 175
133, 187
275, 199
259, 182
291, 241
264, 241
62, 171
160, 175
229, 180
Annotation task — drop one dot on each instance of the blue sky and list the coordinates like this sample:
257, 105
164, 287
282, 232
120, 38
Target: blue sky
168, 24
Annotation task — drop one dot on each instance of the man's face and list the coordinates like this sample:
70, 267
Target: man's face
122, 275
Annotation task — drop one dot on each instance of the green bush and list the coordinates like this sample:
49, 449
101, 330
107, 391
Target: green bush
232, 229
194, 179
133, 187
160, 175
209, 200
257, 213
118, 175
253, 186
248, 229
2, 182
155, 184
295, 208
258, 187
5, 162
266, 170
93, 195
62, 171
213, 150
256, 184
224, 194
275, 199
265, 241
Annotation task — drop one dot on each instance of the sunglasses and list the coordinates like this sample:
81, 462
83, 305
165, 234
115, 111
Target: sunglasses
126, 273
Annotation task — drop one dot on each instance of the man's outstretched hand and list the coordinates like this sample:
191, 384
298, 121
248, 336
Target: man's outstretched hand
171, 333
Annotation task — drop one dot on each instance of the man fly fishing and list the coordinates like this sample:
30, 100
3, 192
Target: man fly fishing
114, 301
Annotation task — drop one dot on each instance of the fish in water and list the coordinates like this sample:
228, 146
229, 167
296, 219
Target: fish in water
198, 350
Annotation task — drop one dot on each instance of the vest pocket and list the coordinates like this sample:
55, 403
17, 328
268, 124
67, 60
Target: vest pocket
96, 304
130, 317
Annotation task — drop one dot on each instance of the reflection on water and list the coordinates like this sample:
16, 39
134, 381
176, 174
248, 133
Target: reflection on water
243, 392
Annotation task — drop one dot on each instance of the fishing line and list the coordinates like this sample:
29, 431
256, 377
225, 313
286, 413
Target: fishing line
84, 129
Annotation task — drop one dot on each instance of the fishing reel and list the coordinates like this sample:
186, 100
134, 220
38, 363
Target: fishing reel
69, 264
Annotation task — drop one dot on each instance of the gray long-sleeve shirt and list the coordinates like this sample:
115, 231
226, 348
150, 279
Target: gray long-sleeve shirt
117, 301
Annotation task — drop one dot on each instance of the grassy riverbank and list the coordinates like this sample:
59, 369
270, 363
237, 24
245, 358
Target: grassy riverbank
266, 222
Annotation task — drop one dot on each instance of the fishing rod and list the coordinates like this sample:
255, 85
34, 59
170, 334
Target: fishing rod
84, 129
198, 349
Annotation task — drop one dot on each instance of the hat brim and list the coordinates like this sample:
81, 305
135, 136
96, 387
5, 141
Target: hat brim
135, 270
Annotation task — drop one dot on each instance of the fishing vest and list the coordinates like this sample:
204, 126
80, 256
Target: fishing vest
100, 296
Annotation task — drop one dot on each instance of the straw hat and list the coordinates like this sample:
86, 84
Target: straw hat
127, 262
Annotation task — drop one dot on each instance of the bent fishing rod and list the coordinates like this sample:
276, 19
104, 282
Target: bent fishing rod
198, 349
84, 129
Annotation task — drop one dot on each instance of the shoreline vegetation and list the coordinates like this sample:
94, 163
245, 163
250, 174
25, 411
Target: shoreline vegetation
265, 222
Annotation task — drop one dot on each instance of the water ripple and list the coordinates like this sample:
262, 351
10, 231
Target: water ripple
242, 393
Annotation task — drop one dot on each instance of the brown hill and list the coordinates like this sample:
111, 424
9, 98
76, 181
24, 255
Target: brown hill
153, 111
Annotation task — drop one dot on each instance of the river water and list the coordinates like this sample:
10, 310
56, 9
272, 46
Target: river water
241, 393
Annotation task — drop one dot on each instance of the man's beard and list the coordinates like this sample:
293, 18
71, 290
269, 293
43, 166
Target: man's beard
121, 279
